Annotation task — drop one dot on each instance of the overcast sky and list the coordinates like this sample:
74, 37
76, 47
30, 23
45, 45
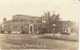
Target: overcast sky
68, 9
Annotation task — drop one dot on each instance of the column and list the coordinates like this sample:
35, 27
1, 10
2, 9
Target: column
37, 29
29, 28
33, 28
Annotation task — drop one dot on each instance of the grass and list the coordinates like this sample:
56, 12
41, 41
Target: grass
27, 41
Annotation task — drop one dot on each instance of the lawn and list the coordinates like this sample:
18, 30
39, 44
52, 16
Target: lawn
28, 41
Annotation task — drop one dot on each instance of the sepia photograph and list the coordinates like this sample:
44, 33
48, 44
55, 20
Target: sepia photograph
39, 24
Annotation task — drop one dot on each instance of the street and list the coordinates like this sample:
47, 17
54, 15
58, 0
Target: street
28, 41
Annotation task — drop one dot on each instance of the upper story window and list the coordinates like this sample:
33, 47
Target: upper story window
54, 25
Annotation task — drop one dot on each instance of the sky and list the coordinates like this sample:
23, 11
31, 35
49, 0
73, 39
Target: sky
68, 9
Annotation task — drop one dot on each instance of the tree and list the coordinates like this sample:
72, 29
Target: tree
49, 20
4, 20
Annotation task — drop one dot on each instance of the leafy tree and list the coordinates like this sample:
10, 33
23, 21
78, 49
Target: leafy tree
50, 20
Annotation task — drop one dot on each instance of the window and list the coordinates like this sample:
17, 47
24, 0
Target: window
43, 21
54, 25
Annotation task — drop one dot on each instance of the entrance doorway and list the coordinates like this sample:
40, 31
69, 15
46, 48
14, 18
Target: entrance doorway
31, 28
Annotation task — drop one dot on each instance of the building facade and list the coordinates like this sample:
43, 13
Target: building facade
28, 24
33, 24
